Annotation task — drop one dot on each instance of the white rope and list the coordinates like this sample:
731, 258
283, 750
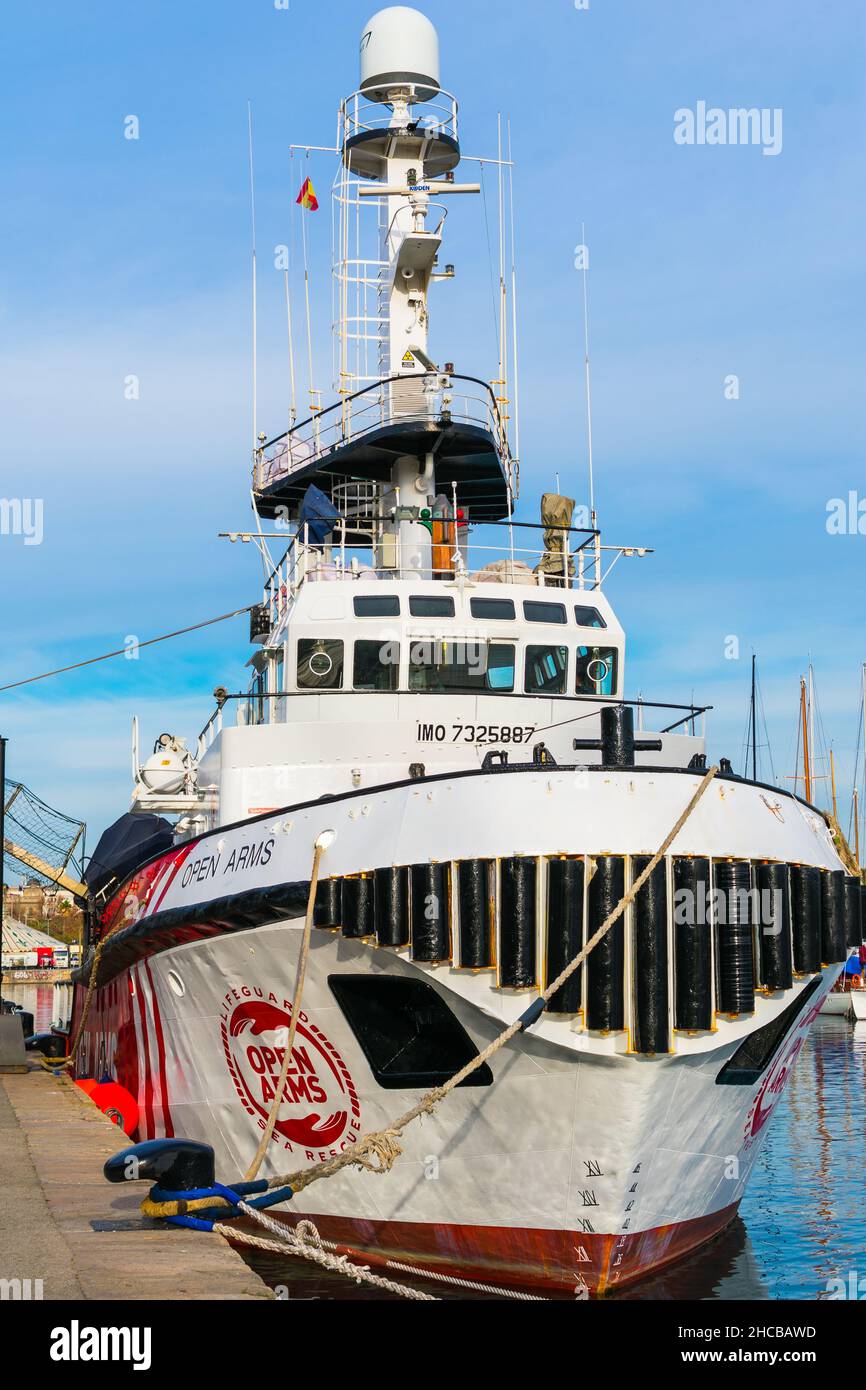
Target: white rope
305, 1237
312, 1249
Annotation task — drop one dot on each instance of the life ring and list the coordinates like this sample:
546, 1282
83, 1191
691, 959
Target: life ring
118, 1104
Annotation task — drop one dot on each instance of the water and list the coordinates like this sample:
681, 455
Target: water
36, 999
799, 1225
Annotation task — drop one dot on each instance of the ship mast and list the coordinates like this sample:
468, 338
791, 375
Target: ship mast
409, 156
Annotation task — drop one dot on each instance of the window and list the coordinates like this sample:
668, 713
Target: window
445, 667
500, 608
596, 671
429, 606
320, 664
374, 606
546, 670
588, 617
544, 612
377, 665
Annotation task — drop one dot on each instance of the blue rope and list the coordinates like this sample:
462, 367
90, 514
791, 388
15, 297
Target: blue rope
232, 1195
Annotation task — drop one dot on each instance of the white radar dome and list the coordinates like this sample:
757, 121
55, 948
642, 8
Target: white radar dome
399, 47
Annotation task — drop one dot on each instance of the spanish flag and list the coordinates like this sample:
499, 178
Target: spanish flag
307, 197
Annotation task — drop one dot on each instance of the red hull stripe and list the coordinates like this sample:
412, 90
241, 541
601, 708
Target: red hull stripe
145, 1042
516, 1257
160, 1052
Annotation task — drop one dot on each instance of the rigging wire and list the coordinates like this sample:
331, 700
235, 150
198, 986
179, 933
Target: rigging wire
122, 651
587, 375
763, 713
514, 351
254, 286
490, 259
856, 769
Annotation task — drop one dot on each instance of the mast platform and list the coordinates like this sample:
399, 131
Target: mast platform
454, 421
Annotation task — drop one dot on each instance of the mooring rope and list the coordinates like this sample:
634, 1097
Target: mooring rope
376, 1152
305, 1235
318, 851
312, 1249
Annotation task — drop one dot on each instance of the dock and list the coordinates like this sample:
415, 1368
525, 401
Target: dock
83, 1238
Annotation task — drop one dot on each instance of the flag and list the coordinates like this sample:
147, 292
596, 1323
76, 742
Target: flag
307, 197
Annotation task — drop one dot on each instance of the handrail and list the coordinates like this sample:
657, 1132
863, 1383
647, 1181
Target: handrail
319, 416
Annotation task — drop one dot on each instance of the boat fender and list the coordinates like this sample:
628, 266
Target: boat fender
118, 1104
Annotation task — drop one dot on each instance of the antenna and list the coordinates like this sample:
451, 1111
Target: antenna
587, 376
254, 325
514, 346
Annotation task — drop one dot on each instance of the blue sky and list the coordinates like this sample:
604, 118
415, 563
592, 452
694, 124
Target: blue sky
124, 258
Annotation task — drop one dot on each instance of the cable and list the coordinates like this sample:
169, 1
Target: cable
91, 661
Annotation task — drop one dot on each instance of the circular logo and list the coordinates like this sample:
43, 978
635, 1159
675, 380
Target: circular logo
319, 1109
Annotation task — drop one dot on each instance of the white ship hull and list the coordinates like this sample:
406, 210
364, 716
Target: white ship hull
583, 1164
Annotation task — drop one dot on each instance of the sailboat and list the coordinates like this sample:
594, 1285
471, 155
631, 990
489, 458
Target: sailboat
437, 736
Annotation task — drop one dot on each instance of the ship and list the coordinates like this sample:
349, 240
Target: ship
437, 718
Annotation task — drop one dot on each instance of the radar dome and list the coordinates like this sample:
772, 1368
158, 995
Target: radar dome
399, 48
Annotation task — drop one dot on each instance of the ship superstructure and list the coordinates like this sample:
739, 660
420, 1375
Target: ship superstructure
440, 692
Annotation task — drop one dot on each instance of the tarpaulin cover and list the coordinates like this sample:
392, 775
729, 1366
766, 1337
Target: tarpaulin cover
318, 514
126, 844
556, 512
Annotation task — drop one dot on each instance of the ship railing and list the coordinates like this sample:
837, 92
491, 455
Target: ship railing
422, 397
570, 558
251, 706
212, 728
438, 116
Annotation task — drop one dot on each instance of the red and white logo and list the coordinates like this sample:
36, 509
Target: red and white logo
320, 1110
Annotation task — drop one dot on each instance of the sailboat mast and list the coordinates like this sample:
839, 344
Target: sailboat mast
812, 755
833, 785
863, 673
754, 721
804, 713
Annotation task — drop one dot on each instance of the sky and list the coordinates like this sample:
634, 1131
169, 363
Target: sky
128, 261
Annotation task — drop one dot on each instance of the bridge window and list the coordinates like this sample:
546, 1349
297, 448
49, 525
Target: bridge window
501, 609
596, 671
377, 665
429, 606
544, 612
588, 617
377, 606
460, 667
320, 664
546, 670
